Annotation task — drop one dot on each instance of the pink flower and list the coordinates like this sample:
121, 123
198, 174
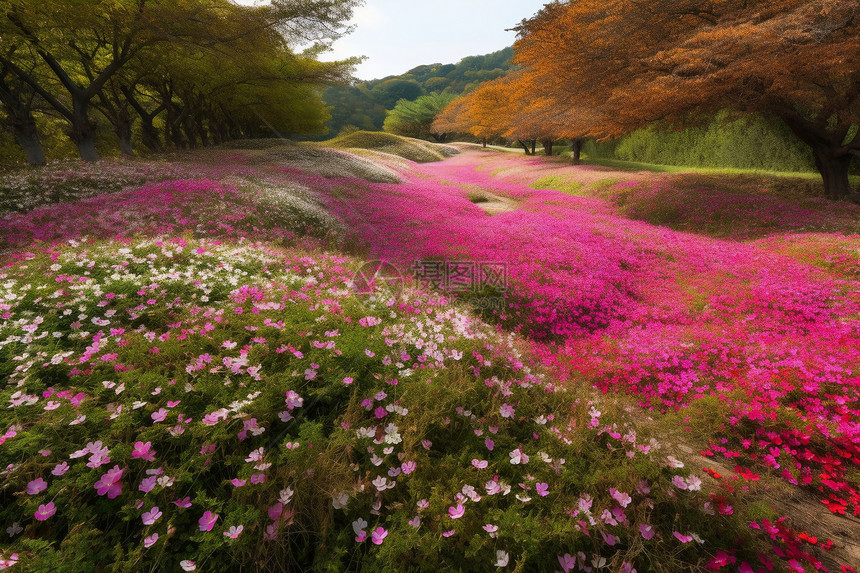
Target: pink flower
143, 451
187, 565
258, 478
567, 562
679, 482
682, 538
159, 415
45, 511
506, 411
348, 380
207, 522
621, 497
449, 533
542, 489
184, 503
456, 512
150, 541
60, 469
480, 464
490, 444
275, 511
234, 531
38, 485
378, 535
151, 516
147, 484
361, 537
109, 484
238, 482
647, 532
408, 467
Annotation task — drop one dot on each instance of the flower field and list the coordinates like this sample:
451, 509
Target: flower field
191, 380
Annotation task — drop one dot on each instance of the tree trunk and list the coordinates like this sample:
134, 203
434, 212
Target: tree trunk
834, 167
577, 149
832, 155
19, 118
547, 147
83, 133
534, 146
29, 142
526, 147
123, 132
484, 142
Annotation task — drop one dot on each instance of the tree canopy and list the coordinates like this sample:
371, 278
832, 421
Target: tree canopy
624, 64
207, 69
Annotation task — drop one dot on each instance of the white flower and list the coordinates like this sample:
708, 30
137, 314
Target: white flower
358, 525
286, 495
188, 565
502, 558
339, 500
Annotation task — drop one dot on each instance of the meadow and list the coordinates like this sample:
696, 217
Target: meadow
606, 370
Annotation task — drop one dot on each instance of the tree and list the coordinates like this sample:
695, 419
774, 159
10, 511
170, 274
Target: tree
83, 54
415, 118
18, 100
683, 60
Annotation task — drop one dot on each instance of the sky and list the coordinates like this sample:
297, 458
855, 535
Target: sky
398, 35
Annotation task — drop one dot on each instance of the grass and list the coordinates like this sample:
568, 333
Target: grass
559, 183
412, 149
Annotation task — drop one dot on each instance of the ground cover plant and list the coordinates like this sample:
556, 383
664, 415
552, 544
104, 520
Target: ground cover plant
192, 382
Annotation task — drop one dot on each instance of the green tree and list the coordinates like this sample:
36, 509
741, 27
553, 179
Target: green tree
415, 118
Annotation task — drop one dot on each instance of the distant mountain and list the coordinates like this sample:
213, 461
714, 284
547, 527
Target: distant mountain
365, 104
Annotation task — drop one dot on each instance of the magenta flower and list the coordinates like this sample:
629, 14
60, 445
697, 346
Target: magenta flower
109, 484
378, 535
184, 503
151, 516
143, 451
207, 522
542, 489
682, 538
150, 541
480, 464
408, 467
238, 482
275, 511
159, 415
45, 511
38, 485
60, 469
456, 512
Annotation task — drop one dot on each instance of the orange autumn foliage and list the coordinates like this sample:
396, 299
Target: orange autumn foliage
676, 60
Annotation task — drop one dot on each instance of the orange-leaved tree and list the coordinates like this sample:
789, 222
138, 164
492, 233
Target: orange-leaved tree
678, 60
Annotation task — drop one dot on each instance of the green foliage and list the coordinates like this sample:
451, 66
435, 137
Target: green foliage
364, 105
751, 142
414, 118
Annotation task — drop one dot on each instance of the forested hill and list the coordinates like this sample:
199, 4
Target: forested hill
364, 104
